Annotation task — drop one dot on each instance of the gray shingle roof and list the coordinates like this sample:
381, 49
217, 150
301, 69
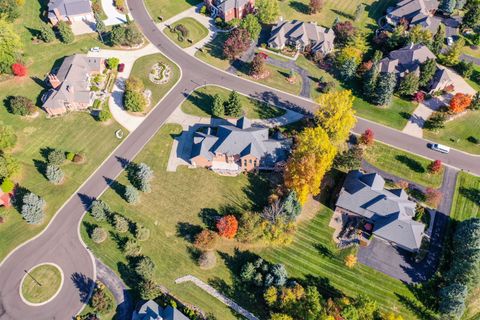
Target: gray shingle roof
417, 12
390, 210
230, 4
150, 310
70, 7
241, 139
406, 59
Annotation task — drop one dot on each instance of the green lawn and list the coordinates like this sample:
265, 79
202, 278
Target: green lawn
278, 79
46, 284
466, 200
314, 257
142, 68
471, 52
402, 164
213, 52
167, 8
298, 9
196, 32
316, 74
183, 201
200, 101
458, 133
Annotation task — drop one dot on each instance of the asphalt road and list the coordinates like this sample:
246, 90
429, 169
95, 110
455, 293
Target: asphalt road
60, 242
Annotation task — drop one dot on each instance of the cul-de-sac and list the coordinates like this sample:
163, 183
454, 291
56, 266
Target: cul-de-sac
239, 159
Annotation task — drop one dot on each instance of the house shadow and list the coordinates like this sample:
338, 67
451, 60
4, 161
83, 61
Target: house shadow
299, 7
84, 285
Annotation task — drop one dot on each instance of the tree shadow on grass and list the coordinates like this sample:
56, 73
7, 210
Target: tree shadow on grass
416, 307
209, 217
405, 115
116, 186
41, 167
89, 227
119, 240
299, 7
412, 164
342, 14
201, 100
84, 285
188, 231
17, 200
471, 194
258, 190
324, 251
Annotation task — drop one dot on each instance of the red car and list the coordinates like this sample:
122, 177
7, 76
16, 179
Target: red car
121, 66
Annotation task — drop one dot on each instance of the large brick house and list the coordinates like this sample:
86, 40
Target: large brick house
231, 149
71, 84
230, 9
69, 11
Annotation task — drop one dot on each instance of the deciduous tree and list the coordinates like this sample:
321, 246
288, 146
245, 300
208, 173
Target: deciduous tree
251, 24
21, 106
258, 65
149, 289
368, 137
227, 226
433, 197
10, 46
471, 19
206, 240
268, 11
237, 43
142, 233
9, 166
419, 35
8, 138
452, 55
316, 6
435, 166
344, 31
460, 102
311, 158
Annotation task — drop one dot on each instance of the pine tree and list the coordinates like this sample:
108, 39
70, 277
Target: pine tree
447, 6
347, 69
370, 81
142, 177
233, 107
385, 87
408, 84
427, 71
438, 39
54, 174
452, 56
131, 194
99, 210
218, 109
46, 33
33, 208
471, 19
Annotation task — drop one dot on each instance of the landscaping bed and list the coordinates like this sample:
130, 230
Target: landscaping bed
200, 101
41, 283
403, 164
278, 79
184, 30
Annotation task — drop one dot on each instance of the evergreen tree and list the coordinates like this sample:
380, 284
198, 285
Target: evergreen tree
218, 109
233, 107
54, 174
145, 268
141, 177
447, 6
471, 19
100, 26
99, 210
291, 207
131, 194
33, 208
370, 81
452, 300
347, 70
408, 84
427, 71
46, 33
120, 223
65, 32
385, 87
438, 39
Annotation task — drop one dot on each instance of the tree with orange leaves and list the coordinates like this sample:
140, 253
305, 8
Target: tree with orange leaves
227, 226
460, 102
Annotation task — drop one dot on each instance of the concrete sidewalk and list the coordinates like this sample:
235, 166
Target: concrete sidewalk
128, 57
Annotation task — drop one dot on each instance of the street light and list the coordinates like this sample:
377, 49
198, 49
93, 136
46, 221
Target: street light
33, 278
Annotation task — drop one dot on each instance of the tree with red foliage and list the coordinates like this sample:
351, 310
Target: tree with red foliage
316, 6
364, 67
227, 226
433, 197
419, 97
344, 31
367, 137
435, 166
19, 70
236, 44
460, 102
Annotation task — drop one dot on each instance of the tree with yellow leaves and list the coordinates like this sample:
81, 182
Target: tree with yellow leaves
336, 115
351, 261
311, 158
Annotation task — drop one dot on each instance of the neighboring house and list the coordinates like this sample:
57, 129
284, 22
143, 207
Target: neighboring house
390, 211
409, 59
150, 310
71, 84
69, 10
231, 149
416, 12
302, 35
230, 9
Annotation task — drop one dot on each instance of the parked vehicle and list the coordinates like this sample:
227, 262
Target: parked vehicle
95, 49
449, 41
440, 148
121, 67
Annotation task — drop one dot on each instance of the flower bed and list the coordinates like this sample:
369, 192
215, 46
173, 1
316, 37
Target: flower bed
160, 73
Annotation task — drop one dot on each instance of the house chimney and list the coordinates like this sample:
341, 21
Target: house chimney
54, 82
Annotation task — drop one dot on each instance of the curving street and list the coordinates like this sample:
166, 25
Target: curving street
60, 242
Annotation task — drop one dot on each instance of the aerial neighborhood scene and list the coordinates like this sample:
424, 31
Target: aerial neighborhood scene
240, 159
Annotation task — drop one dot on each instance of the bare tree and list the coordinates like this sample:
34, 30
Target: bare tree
273, 211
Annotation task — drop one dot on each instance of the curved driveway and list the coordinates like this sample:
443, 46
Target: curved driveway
60, 243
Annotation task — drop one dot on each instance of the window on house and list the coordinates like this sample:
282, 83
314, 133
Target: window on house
250, 161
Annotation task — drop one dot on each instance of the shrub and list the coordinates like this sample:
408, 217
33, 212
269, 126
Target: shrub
149, 289
65, 32
131, 194
56, 157
435, 166
104, 114
131, 248
134, 101
99, 210
54, 174
227, 226
141, 233
119, 4
350, 261
145, 268
367, 138
206, 240
21, 106
8, 165
98, 235
436, 121
207, 260
419, 97
112, 63
8, 138
7, 185
134, 84
78, 158
70, 155
19, 70
433, 197
203, 10
182, 29
33, 208
120, 223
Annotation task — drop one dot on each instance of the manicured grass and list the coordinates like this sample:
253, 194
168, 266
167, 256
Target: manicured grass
167, 8
278, 79
200, 101
466, 200
213, 52
41, 283
458, 133
471, 52
142, 68
196, 32
313, 257
110, 314
344, 10
316, 74
402, 164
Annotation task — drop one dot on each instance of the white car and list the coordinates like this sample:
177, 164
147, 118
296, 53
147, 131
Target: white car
95, 49
440, 148
449, 41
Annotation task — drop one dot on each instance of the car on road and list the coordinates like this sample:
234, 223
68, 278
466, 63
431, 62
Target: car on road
449, 41
440, 148
95, 49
